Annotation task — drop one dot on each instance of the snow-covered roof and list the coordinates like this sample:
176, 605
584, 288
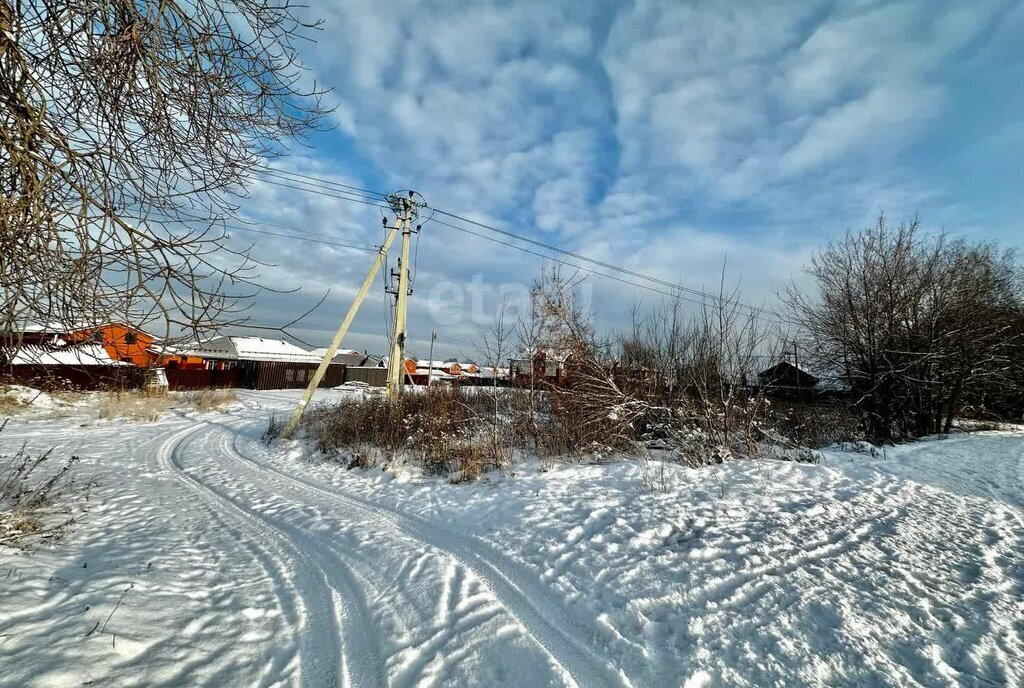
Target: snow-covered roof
437, 365
343, 356
436, 373
340, 352
58, 327
253, 349
84, 354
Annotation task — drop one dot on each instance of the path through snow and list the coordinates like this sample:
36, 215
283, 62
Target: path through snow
253, 565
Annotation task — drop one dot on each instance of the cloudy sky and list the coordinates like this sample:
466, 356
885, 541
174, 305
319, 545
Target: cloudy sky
663, 136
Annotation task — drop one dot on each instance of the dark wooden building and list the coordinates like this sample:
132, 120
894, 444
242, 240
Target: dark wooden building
253, 363
66, 366
786, 375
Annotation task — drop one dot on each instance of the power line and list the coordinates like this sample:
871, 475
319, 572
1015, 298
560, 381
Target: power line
608, 266
674, 295
323, 181
325, 185
322, 192
327, 242
371, 196
303, 234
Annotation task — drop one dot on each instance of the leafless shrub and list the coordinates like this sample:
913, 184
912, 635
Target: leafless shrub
920, 328
654, 475
37, 500
813, 424
274, 427
682, 383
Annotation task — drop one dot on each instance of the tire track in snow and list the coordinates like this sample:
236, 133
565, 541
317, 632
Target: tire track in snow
287, 596
333, 653
565, 638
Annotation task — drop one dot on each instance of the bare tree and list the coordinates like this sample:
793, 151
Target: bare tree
495, 346
916, 325
729, 338
126, 130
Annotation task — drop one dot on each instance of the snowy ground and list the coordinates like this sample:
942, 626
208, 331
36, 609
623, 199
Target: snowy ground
248, 565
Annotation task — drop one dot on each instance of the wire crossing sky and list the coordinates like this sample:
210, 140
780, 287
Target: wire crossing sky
665, 139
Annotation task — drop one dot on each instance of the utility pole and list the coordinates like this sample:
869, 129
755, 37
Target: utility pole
430, 367
408, 210
342, 331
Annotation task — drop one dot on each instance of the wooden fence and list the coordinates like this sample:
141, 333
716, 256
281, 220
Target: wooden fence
375, 377
275, 375
200, 378
84, 378
247, 375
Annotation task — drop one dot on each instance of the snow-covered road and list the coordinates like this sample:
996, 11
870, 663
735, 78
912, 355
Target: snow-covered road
240, 564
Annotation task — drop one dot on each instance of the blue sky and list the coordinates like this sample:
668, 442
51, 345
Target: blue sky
663, 136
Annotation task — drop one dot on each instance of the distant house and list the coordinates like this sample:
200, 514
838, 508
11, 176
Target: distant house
419, 372
121, 341
176, 356
89, 354
263, 363
543, 365
79, 366
349, 357
786, 375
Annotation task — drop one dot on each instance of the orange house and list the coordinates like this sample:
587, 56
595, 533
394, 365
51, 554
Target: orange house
122, 342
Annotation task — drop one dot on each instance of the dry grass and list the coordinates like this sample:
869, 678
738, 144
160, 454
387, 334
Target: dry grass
209, 399
10, 405
444, 429
133, 405
813, 425
38, 497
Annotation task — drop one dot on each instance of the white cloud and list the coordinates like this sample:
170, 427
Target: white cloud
741, 101
630, 132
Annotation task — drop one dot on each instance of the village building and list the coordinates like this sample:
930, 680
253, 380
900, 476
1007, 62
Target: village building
543, 365
257, 363
785, 375
348, 357
122, 342
85, 366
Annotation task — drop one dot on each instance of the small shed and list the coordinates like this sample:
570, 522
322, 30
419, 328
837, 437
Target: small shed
785, 374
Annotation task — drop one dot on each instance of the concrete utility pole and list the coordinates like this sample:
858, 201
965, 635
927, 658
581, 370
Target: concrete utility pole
408, 210
430, 366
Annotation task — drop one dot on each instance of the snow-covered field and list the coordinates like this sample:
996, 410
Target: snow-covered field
209, 558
